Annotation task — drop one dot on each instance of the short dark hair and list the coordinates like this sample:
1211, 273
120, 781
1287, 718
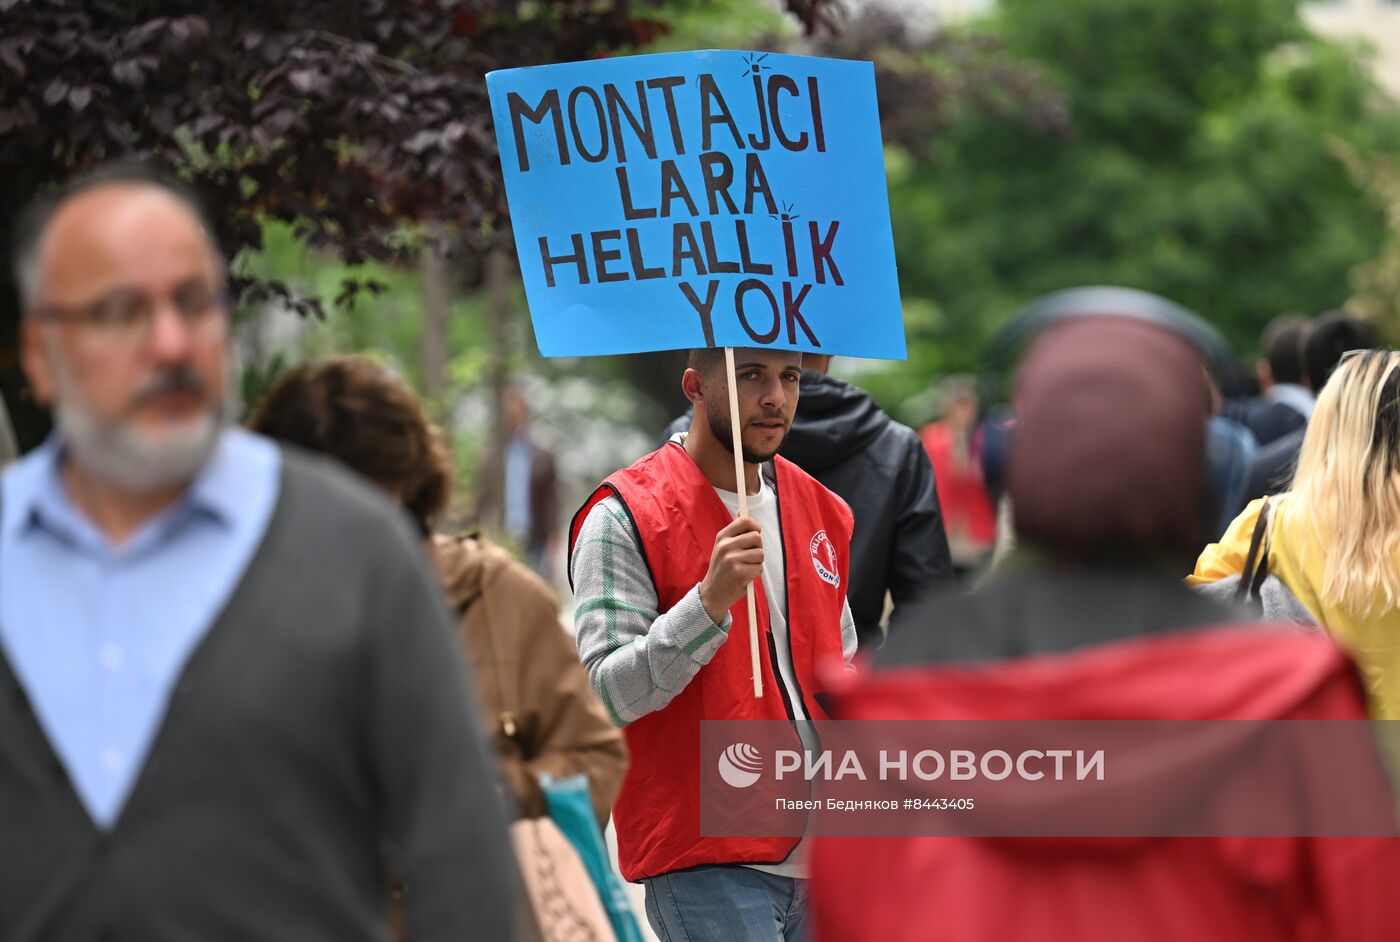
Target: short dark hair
1333, 334
356, 411
1282, 347
705, 360
33, 221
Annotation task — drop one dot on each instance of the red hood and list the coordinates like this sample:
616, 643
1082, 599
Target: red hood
1232, 673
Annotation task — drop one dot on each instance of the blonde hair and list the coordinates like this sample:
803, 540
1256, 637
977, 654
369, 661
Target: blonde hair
1347, 486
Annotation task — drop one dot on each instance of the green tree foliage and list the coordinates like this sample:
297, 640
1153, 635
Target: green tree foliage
1199, 159
1376, 284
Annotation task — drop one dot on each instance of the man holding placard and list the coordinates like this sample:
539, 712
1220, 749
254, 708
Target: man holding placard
660, 566
687, 201
879, 467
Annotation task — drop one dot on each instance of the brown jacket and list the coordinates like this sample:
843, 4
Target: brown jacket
543, 494
544, 715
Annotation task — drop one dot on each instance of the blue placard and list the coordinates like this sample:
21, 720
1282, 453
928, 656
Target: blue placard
700, 198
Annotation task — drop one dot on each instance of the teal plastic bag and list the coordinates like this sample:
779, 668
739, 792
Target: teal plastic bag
571, 809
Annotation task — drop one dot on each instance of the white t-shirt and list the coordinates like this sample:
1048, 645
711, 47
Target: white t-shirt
763, 507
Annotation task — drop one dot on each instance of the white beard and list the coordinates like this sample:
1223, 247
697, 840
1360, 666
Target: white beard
116, 451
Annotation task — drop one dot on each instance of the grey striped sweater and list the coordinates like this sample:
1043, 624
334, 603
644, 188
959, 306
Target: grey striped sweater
637, 658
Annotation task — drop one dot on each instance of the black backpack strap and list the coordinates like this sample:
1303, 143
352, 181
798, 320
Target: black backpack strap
1256, 563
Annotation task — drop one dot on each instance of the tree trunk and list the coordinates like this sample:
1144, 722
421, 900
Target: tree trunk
498, 285
433, 341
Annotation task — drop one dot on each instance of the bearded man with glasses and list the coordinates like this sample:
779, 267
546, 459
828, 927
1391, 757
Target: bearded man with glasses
227, 678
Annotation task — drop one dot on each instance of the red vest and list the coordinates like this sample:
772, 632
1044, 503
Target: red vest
677, 515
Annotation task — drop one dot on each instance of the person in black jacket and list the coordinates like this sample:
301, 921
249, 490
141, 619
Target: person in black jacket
879, 467
1271, 468
1285, 403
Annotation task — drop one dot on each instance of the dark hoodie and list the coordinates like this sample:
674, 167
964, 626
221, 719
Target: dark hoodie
879, 467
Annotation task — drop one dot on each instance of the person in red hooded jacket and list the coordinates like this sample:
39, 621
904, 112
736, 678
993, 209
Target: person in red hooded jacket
1090, 621
954, 448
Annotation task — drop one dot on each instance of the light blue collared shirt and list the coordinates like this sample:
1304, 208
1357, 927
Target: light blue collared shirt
519, 457
98, 635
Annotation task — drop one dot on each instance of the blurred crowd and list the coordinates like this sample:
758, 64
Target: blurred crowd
251, 691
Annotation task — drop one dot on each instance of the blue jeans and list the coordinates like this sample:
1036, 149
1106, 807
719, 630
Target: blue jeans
726, 904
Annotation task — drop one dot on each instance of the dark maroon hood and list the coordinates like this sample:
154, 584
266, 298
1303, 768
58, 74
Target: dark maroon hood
1108, 452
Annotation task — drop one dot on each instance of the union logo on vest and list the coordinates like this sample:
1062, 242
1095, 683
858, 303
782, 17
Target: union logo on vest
740, 765
824, 558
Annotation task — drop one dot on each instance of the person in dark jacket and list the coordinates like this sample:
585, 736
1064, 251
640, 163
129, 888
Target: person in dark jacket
1271, 468
228, 681
879, 467
1092, 622
1285, 401
520, 487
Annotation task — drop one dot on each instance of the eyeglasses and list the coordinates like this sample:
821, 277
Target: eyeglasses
1352, 353
128, 316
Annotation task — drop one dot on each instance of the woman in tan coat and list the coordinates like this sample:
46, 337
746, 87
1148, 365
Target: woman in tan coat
545, 717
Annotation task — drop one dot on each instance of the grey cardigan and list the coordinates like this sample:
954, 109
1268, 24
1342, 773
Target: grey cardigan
325, 715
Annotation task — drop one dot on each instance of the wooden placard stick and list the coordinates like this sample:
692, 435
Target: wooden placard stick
742, 486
